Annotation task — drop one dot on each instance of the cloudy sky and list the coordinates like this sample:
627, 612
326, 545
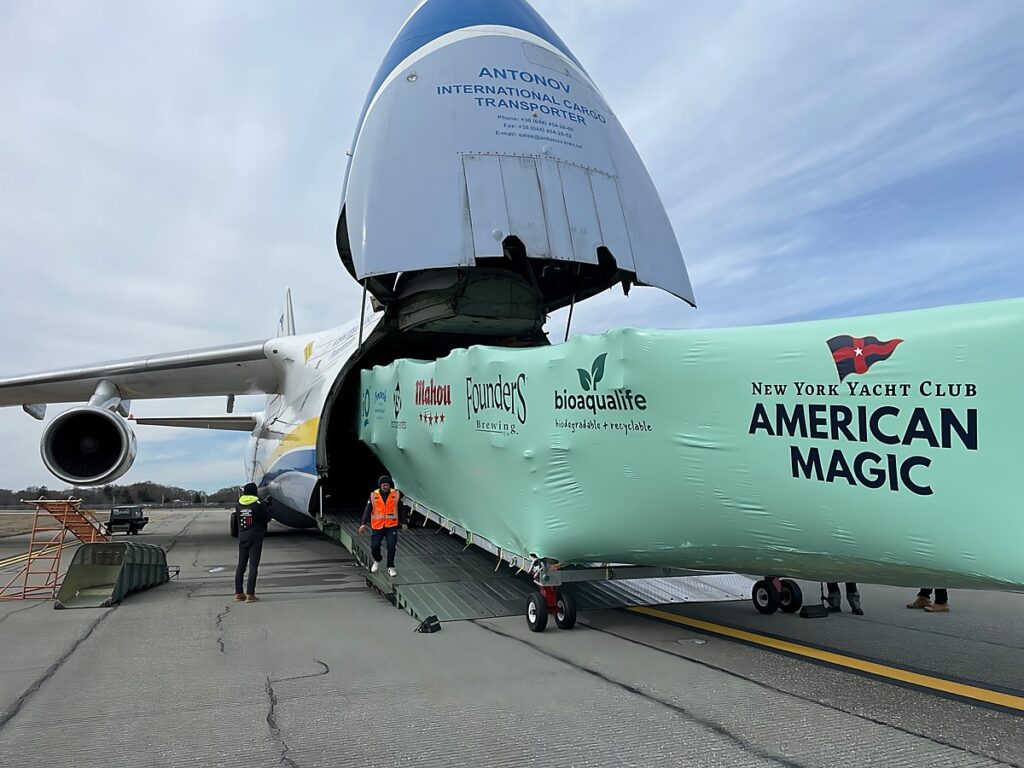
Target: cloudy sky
166, 170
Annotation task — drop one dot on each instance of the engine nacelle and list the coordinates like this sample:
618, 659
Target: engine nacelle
88, 446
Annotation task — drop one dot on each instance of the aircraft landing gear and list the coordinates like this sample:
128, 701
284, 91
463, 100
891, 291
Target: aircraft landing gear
549, 600
791, 598
565, 610
771, 594
537, 610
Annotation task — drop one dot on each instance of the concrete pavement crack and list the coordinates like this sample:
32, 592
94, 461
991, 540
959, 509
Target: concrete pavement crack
326, 671
275, 731
19, 610
220, 625
694, 718
41, 680
180, 533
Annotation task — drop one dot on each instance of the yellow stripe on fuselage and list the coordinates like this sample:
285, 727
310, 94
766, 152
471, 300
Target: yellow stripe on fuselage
303, 436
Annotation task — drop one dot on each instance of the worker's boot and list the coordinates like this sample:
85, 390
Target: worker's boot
251, 599
239, 597
835, 604
853, 598
937, 608
920, 602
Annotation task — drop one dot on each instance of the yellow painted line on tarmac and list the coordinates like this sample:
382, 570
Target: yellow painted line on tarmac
839, 660
28, 555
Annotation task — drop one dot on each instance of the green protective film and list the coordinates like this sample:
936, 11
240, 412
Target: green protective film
881, 449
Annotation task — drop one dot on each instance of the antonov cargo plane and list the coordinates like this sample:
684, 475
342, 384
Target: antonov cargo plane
490, 183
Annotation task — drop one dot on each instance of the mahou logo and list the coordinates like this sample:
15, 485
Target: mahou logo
857, 355
434, 397
429, 393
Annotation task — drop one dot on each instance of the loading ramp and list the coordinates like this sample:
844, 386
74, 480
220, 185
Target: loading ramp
103, 574
440, 574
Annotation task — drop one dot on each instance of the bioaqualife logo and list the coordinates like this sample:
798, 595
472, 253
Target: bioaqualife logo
589, 379
600, 410
437, 397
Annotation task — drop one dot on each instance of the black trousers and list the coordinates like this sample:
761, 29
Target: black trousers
851, 587
391, 534
249, 553
941, 597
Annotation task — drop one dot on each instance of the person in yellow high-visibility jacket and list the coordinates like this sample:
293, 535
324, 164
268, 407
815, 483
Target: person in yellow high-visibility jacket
384, 513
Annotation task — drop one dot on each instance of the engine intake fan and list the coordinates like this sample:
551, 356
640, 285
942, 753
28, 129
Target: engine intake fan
88, 445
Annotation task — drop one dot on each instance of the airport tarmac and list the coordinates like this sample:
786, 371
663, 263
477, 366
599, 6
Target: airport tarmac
325, 672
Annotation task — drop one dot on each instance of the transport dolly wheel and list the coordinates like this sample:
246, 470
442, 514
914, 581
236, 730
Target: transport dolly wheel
565, 610
766, 595
537, 612
790, 597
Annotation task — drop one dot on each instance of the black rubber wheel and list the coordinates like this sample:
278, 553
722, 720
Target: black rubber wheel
765, 596
537, 612
565, 614
790, 598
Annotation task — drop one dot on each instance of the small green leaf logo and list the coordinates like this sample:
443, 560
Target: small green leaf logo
584, 379
597, 369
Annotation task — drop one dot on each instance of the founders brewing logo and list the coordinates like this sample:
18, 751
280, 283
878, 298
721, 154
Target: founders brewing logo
861, 433
853, 355
437, 397
496, 405
616, 409
397, 423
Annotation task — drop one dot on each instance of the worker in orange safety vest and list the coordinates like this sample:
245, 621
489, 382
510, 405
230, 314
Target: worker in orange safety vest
384, 513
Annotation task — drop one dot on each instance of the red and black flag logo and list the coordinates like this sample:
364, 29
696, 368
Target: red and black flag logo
853, 355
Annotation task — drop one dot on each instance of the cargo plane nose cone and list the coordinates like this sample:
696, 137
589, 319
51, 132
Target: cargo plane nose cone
484, 144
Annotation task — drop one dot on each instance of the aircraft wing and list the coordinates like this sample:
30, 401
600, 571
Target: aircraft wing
232, 423
242, 369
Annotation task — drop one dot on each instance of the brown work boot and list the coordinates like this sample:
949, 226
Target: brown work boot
251, 599
937, 608
239, 597
920, 602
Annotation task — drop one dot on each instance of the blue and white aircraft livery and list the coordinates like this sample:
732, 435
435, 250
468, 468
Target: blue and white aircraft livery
489, 182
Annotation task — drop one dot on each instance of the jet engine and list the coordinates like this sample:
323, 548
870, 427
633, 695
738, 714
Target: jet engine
88, 445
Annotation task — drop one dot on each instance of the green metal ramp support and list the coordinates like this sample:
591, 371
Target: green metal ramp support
102, 574
439, 574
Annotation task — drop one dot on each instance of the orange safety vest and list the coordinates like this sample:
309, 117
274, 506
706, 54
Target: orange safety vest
384, 514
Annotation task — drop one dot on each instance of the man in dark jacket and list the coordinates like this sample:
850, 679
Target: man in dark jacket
384, 513
253, 519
